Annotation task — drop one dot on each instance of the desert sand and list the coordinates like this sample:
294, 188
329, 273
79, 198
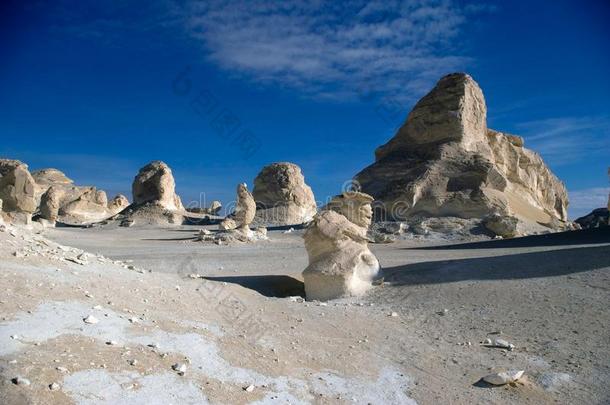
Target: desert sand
174, 320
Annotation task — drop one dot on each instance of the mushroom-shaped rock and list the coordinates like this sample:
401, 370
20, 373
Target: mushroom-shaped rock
340, 262
155, 184
282, 196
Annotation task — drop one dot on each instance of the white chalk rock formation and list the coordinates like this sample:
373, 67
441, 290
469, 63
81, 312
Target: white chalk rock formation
340, 262
444, 161
61, 200
90, 206
17, 187
154, 198
117, 204
282, 196
155, 184
50, 203
245, 208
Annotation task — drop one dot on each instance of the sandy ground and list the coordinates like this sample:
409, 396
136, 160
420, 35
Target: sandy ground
245, 337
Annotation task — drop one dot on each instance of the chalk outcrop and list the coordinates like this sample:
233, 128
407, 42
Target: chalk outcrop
17, 187
155, 184
444, 161
282, 196
117, 204
244, 212
60, 200
236, 227
90, 206
340, 262
154, 198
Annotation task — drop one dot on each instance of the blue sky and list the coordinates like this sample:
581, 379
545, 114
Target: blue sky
98, 89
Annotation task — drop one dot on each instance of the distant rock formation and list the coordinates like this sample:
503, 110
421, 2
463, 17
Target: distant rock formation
17, 187
340, 262
282, 196
598, 218
444, 161
60, 200
154, 198
244, 212
155, 184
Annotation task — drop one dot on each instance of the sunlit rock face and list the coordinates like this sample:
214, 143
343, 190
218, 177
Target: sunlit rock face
444, 161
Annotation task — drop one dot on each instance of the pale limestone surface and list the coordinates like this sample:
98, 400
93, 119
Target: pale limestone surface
340, 262
282, 196
444, 161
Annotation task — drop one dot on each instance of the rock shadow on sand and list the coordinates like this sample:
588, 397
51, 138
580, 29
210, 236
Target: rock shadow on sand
508, 267
275, 286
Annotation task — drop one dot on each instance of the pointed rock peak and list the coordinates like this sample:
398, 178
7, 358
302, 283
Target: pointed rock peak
453, 111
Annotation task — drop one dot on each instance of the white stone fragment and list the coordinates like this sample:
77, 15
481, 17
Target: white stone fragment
504, 377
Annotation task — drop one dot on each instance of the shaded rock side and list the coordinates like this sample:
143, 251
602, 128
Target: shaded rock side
444, 161
282, 196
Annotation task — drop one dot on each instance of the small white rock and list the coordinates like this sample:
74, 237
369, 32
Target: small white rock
504, 377
21, 381
54, 386
394, 314
179, 367
250, 387
91, 320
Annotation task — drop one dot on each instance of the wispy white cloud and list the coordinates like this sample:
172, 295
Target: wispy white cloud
584, 201
334, 49
568, 139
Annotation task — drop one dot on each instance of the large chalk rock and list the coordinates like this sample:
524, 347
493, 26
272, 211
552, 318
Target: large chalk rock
340, 262
90, 206
17, 187
444, 161
61, 200
155, 201
155, 184
282, 196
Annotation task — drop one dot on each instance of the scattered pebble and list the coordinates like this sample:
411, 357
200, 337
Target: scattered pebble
501, 343
394, 314
91, 320
250, 387
504, 377
54, 386
180, 368
20, 381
